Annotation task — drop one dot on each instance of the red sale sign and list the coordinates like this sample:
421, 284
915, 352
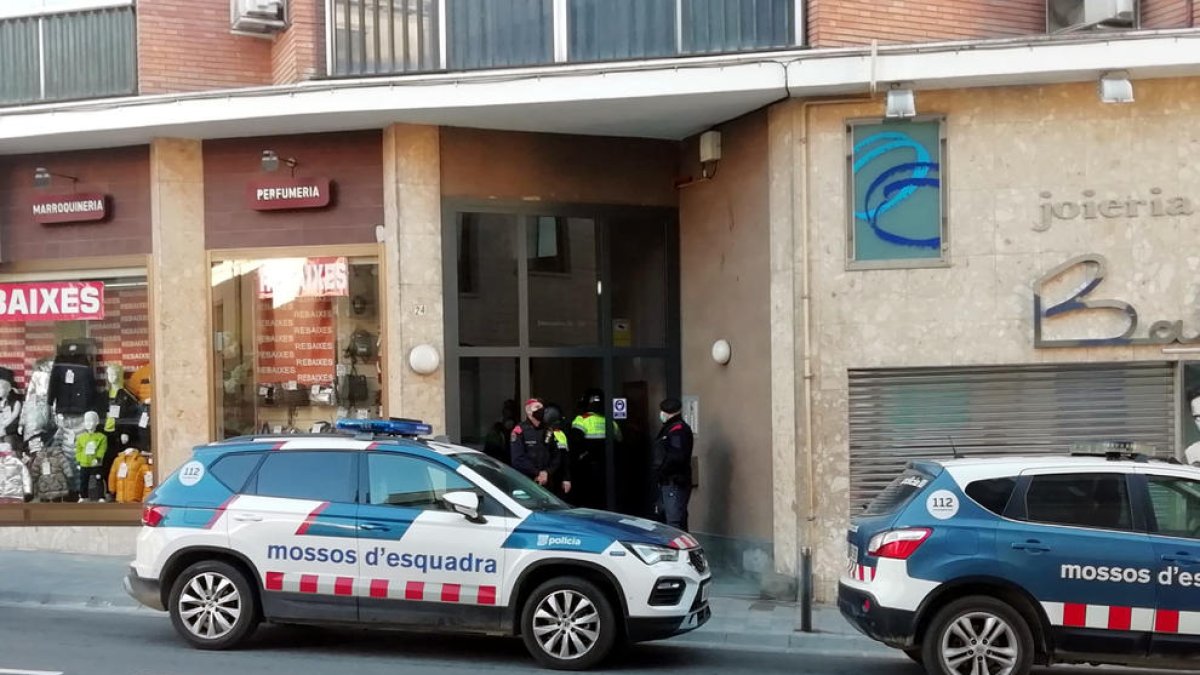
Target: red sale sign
52, 301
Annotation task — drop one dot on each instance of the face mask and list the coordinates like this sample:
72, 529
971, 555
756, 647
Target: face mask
538, 415
664, 417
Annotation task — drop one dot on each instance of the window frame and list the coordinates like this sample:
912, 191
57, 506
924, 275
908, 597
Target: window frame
1018, 504
942, 260
251, 486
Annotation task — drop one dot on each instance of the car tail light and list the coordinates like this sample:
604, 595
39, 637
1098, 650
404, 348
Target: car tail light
898, 544
153, 515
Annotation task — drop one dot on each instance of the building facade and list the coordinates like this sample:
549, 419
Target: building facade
293, 212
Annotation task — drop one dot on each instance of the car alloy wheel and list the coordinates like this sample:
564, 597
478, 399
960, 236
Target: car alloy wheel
566, 624
210, 606
979, 643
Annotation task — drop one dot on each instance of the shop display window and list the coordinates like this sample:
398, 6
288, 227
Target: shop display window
75, 391
296, 343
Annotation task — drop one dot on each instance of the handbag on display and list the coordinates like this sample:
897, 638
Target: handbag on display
362, 345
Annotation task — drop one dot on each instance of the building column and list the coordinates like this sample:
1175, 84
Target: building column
182, 392
784, 178
412, 207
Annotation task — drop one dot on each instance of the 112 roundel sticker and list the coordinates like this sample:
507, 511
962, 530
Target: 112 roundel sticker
942, 504
191, 473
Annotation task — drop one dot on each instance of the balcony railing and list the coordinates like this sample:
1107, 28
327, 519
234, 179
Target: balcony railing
375, 37
68, 55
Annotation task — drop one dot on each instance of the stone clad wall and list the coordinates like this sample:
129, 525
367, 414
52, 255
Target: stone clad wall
1008, 148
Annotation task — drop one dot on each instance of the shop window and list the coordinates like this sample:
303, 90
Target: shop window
896, 193
75, 390
296, 343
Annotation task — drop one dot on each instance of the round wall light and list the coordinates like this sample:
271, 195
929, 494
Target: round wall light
721, 351
424, 359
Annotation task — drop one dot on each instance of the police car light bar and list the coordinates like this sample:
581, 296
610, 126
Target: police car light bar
392, 427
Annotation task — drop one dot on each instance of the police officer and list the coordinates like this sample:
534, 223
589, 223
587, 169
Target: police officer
588, 433
534, 451
560, 481
672, 464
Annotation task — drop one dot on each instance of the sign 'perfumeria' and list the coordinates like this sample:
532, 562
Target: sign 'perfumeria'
72, 208
281, 194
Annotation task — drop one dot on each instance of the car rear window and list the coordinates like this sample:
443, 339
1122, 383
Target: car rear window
233, 470
992, 494
898, 493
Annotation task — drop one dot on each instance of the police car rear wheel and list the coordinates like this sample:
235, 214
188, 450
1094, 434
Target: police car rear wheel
213, 606
978, 636
568, 624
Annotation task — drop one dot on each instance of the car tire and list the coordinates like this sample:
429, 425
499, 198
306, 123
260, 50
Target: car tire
213, 606
568, 623
977, 629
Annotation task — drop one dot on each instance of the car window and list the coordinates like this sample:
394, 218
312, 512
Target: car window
898, 493
402, 480
233, 470
1099, 500
316, 475
1176, 506
519, 487
992, 494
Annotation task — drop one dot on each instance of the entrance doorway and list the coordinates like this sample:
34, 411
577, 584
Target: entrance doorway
577, 306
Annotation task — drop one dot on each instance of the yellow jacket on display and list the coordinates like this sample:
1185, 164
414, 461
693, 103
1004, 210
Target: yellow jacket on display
130, 478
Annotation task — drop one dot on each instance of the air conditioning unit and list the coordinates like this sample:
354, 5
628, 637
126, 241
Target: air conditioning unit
1069, 16
257, 17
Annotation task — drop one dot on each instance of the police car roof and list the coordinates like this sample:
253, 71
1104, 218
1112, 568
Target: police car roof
334, 441
979, 468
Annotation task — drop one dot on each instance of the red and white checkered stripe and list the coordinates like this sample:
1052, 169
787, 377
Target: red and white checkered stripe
1113, 617
423, 591
862, 572
685, 542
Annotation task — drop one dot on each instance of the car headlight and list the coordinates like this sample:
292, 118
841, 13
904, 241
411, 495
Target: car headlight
652, 555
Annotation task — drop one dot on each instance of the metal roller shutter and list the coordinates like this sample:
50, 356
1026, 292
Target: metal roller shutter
897, 415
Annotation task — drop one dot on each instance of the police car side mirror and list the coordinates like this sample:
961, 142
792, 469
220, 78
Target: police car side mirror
466, 503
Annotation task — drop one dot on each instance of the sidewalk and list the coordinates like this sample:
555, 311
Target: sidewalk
36, 578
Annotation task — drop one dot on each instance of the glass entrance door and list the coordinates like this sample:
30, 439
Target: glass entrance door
574, 306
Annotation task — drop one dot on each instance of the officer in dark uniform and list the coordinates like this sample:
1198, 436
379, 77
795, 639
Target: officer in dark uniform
534, 451
672, 464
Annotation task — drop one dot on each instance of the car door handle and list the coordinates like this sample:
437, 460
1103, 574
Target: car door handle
1180, 558
1031, 546
373, 527
247, 517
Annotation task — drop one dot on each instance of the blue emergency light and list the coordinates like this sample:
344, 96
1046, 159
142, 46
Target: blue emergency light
390, 427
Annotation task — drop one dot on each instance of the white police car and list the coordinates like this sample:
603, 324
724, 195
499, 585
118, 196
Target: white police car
987, 566
390, 530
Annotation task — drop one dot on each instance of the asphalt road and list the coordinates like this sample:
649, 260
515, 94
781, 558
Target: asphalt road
101, 642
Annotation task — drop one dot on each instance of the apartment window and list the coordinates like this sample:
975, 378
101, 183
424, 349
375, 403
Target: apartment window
54, 50
384, 36
896, 207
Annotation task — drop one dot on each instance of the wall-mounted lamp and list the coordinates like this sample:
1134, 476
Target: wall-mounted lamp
1115, 87
722, 352
424, 359
42, 177
271, 161
901, 103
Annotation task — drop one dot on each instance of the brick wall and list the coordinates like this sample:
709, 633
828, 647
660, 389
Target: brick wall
352, 160
1166, 13
185, 45
121, 173
299, 53
835, 23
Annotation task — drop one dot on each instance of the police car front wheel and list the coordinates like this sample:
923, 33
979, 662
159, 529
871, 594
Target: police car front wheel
568, 624
213, 606
978, 635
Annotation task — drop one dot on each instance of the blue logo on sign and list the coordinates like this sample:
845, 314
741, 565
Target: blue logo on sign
904, 167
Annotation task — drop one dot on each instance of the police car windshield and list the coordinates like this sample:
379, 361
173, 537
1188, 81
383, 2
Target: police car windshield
516, 485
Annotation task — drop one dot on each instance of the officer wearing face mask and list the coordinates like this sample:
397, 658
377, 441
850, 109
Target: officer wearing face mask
532, 444
672, 464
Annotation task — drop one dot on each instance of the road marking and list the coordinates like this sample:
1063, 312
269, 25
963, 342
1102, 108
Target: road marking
6, 671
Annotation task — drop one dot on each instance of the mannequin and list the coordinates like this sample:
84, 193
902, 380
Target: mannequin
50, 469
72, 384
10, 409
130, 479
15, 482
121, 414
35, 414
90, 447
